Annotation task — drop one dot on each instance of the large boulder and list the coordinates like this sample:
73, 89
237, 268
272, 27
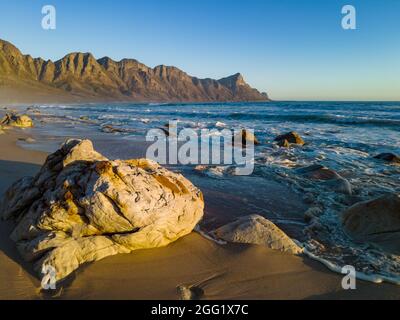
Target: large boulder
14, 120
255, 229
82, 207
376, 221
291, 138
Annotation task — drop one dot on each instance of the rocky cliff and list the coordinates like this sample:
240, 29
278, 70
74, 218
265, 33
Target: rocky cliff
79, 76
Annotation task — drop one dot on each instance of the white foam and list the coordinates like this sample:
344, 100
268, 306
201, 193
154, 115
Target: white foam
375, 278
209, 237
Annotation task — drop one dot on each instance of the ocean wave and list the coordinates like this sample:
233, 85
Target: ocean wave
318, 118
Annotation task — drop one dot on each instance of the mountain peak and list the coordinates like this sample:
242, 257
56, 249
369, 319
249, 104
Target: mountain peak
7, 47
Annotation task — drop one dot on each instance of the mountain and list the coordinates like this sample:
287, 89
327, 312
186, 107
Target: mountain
80, 77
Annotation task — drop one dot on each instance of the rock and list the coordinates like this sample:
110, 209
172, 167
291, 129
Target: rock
376, 221
33, 110
28, 140
330, 177
190, 292
312, 213
82, 207
291, 137
340, 185
315, 228
201, 168
111, 129
255, 229
318, 172
216, 172
170, 129
245, 136
13, 120
314, 245
284, 143
388, 157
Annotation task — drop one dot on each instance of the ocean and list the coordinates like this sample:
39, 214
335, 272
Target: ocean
342, 136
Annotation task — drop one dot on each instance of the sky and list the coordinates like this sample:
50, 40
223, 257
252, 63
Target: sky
293, 50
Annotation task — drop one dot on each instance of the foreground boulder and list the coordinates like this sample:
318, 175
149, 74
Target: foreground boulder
14, 120
376, 221
255, 229
289, 138
82, 207
388, 157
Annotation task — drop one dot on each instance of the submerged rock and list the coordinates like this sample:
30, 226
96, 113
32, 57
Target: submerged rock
291, 137
111, 129
329, 177
312, 213
82, 207
255, 229
33, 110
27, 139
14, 120
376, 221
340, 185
318, 172
389, 157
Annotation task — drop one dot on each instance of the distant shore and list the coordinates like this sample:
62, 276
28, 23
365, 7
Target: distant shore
231, 271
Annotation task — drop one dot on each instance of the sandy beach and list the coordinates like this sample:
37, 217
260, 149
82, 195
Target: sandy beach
232, 271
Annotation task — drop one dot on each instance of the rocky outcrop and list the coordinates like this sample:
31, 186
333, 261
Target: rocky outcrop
14, 120
256, 229
328, 177
389, 158
82, 207
80, 76
376, 221
289, 138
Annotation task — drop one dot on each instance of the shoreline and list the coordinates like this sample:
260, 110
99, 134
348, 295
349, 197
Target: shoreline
231, 271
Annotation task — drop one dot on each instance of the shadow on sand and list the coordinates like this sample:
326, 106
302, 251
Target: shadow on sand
10, 172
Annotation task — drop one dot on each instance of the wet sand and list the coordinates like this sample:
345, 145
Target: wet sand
232, 271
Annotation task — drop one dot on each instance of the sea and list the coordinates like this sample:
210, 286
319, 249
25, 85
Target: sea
342, 136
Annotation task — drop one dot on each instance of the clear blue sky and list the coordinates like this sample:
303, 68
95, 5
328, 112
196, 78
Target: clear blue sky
294, 50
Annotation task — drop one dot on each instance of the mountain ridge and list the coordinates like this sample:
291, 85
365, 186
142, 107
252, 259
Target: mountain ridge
81, 77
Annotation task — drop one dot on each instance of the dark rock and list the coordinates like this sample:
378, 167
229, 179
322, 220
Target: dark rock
376, 221
291, 137
388, 157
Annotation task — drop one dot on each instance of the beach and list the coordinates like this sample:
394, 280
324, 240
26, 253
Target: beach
231, 271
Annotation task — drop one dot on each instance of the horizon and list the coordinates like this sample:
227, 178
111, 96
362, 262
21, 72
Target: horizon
293, 51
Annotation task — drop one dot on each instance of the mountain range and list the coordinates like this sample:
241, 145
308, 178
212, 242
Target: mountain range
81, 77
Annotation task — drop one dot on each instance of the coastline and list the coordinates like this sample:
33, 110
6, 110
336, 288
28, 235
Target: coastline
230, 271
